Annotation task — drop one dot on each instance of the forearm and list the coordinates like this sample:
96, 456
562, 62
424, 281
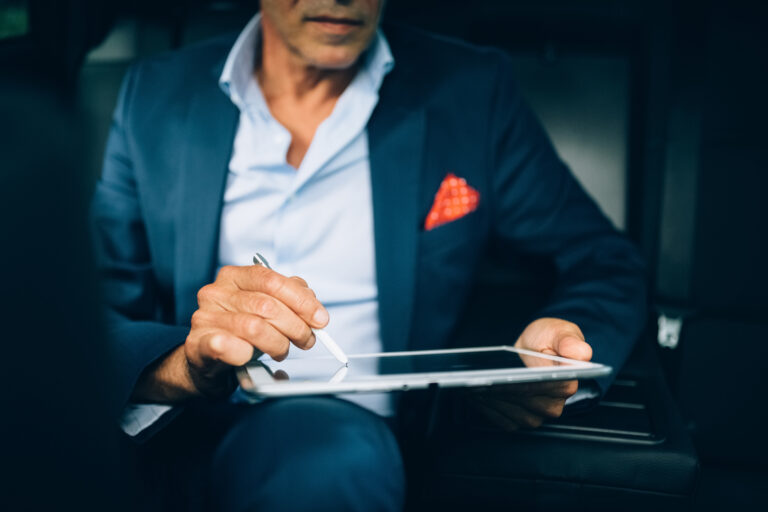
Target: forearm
610, 307
606, 287
171, 380
138, 346
542, 210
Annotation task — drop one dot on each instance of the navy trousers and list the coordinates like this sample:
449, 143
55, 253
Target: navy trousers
314, 453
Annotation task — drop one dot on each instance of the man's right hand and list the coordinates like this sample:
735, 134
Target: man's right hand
246, 311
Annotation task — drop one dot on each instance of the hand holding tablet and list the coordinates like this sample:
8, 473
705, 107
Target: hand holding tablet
512, 407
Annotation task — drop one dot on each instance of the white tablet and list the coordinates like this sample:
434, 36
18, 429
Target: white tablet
393, 371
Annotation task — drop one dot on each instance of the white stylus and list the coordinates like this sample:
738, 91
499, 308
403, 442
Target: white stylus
340, 374
320, 334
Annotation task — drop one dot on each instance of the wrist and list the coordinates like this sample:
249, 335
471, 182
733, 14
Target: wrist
167, 381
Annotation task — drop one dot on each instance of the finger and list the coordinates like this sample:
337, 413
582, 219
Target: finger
545, 406
299, 280
551, 388
560, 389
290, 292
518, 414
493, 416
213, 297
543, 334
222, 298
281, 375
568, 388
221, 346
572, 347
277, 314
257, 331
555, 389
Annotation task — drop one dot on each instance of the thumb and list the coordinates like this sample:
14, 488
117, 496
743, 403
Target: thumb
573, 348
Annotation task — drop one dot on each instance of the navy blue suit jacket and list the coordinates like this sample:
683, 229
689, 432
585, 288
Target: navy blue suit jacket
446, 107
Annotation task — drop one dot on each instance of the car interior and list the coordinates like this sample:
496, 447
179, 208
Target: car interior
659, 110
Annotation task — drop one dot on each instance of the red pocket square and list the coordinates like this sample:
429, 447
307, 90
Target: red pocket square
454, 199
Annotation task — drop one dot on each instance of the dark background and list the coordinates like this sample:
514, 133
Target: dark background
658, 106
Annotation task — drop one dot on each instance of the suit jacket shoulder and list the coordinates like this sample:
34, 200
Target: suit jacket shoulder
168, 80
439, 67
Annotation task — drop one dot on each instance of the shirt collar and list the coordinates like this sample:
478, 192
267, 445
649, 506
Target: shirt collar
237, 77
238, 69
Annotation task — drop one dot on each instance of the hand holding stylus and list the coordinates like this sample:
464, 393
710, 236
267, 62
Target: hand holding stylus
323, 336
245, 312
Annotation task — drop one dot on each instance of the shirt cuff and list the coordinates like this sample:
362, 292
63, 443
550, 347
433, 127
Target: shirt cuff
583, 393
137, 418
586, 397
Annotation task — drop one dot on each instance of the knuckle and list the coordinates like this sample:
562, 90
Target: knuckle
252, 327
273, 283
301, 281
190, 344
197, 319
225, 272
306, 302
216, 346
264, 307
204, 293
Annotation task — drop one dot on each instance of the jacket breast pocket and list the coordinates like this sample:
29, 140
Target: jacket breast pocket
451, 236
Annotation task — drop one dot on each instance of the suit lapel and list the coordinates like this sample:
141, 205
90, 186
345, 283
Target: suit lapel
396, 140
207, 147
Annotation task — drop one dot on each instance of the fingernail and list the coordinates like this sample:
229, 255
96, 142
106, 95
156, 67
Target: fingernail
321, 317
311, 342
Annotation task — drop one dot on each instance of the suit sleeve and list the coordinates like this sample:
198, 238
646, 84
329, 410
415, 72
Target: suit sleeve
542, 210
125, 263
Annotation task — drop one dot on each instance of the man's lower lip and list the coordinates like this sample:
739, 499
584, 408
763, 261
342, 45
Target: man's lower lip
335, 28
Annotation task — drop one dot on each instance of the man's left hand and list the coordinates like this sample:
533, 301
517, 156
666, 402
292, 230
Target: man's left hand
527, 405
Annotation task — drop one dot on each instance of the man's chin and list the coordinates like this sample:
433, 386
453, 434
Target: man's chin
333, 58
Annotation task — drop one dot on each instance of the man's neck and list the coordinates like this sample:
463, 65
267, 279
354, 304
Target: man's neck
285, 76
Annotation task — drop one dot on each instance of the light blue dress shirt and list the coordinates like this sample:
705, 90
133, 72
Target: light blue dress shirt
315, 221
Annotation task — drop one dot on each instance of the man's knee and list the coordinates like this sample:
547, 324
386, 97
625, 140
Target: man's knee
308, 453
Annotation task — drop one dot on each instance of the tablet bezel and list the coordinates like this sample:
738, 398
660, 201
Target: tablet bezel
403, 382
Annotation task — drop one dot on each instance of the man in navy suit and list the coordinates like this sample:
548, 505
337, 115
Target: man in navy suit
322, 140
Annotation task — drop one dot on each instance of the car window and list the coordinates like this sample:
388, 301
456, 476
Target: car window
14, 18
